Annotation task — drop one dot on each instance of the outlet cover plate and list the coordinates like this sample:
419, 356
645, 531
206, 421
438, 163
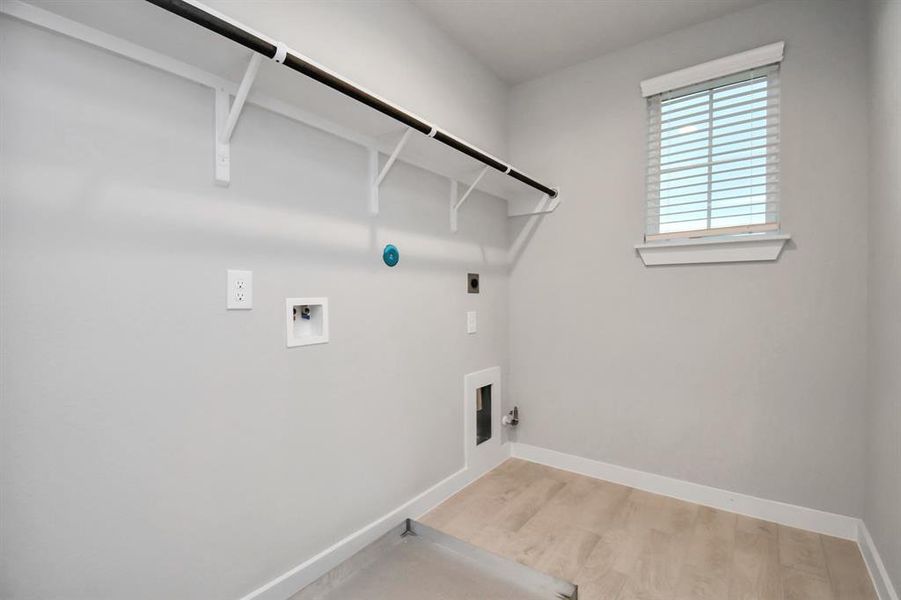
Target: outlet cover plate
239, 290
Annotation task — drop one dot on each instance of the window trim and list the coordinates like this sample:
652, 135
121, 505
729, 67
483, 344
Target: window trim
724, 249
714, 69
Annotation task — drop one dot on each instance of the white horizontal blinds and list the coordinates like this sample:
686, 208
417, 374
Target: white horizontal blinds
713, 157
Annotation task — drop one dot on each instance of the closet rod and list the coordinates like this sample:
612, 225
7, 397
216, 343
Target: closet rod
281, 54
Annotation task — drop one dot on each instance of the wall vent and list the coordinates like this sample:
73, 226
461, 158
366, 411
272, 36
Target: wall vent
483, 414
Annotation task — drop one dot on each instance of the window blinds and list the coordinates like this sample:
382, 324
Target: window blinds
713, 157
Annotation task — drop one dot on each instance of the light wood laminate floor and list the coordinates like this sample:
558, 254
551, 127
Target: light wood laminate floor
619, 543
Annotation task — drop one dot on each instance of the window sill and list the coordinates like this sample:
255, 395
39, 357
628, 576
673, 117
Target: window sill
739, 248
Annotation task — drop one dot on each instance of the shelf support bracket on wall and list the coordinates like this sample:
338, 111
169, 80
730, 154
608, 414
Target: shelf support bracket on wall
227, 119
378, 176
545, 206
456, 204
452, 204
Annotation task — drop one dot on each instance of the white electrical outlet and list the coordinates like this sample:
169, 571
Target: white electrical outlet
471, 323
239, 290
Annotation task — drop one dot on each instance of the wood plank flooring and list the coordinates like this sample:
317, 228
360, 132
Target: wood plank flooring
619, 543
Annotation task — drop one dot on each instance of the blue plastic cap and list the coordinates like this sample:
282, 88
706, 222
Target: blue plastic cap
390, 255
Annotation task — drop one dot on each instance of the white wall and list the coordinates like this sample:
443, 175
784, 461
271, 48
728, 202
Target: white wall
156, 446
147, 431
882, 511
747, 377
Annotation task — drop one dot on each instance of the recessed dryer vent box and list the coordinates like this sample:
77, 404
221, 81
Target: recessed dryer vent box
307, 321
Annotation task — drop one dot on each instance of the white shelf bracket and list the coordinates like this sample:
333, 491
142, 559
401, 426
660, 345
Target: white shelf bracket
456, 204
545, 206
378, 176
227, 119
452, 204
373, 174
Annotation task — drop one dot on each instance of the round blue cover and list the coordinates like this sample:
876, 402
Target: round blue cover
390, 255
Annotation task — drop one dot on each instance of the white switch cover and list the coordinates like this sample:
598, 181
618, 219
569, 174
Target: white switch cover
239, 292
471, 323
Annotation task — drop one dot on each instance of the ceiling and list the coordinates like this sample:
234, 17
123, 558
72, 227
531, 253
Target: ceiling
523, 39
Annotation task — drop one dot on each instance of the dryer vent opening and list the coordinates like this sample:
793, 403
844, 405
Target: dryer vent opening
483, 414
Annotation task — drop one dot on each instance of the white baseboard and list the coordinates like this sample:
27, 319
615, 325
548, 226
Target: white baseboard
878, 572
840, 526
288, 584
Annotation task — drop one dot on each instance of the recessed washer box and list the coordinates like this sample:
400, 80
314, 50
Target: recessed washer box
307, 321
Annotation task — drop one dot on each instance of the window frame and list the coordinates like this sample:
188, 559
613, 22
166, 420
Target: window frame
762, 151
764, 245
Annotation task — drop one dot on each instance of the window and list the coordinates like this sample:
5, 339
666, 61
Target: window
713, 157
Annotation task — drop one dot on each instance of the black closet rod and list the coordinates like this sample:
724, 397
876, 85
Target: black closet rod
269, 50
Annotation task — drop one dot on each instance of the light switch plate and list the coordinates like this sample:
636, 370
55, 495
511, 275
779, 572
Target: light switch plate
471, 322
239, 290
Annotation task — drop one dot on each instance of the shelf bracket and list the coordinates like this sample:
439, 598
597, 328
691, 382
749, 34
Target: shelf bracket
456, 204
452, 204
545, 206
227, 118
376, 176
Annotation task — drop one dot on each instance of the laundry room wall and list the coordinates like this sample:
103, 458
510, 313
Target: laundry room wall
749, 377
147, 429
